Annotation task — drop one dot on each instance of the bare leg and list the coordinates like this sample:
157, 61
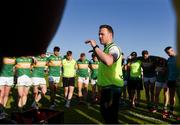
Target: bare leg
24, 98
6, 94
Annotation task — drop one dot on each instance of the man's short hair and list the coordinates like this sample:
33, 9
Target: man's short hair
144, 52
108, 27
43, 52
83, 54
134, 54
56, 48
69, 53
167, 48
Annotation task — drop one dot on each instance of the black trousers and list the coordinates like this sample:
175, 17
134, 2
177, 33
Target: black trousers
109, 104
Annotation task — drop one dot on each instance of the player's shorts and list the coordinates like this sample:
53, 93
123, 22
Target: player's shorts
84, 80
9, 81
171, 84
68, 81
150, 80
38, 81
24, 80
135, 84
161, 84
93, 81
125, 83
53, 79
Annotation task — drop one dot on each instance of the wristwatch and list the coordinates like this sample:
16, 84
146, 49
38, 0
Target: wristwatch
95, 47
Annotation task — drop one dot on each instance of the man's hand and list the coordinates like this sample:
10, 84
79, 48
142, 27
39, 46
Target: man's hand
91, 42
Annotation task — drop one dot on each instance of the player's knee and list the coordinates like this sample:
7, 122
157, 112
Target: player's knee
21, 95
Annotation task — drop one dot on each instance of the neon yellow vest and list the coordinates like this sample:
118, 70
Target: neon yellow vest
135, 70
110, 75
68, 68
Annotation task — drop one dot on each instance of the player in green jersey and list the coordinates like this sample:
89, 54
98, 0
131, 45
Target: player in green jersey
38, 78
23, 68
94, 72
68, 71
83, 76
54, 63
6, 81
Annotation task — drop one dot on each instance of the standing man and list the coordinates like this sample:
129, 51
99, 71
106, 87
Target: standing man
161, 83
94, 72
54, 63
135, 79
83, 77
69, 72
6, 81
110, 76
23, 67
149, 78
38, 78
172, 77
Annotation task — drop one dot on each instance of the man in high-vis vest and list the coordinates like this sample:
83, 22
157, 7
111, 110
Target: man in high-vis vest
110, 77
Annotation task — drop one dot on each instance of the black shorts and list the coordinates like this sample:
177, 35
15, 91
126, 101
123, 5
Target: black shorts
68, 81
171, 84
135, 84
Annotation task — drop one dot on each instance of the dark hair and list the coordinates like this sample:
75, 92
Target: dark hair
82, 54
144, 52
69, 53
167, 48
108, 27
43, 52
134, 54
56, 48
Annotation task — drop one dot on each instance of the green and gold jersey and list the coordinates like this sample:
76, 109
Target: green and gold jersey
83, 68
7, 67
55, 63
94, 68
23, 66
39, 66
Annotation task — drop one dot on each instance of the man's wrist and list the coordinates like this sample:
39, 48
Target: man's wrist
96, 46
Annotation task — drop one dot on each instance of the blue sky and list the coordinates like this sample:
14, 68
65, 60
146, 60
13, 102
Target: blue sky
138, 25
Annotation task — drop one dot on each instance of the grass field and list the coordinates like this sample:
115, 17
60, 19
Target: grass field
90, 113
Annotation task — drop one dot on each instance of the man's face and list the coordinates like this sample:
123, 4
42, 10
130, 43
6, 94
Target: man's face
145, 56
43, 55
104, 36
83, 58
56, 53
69, 57
171, 52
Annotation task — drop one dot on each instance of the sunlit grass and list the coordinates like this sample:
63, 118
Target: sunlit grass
91, 114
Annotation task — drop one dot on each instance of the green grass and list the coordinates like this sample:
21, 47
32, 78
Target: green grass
91, 114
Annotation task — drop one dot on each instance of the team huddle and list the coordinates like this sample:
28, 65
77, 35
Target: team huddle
31, 71
155, 73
